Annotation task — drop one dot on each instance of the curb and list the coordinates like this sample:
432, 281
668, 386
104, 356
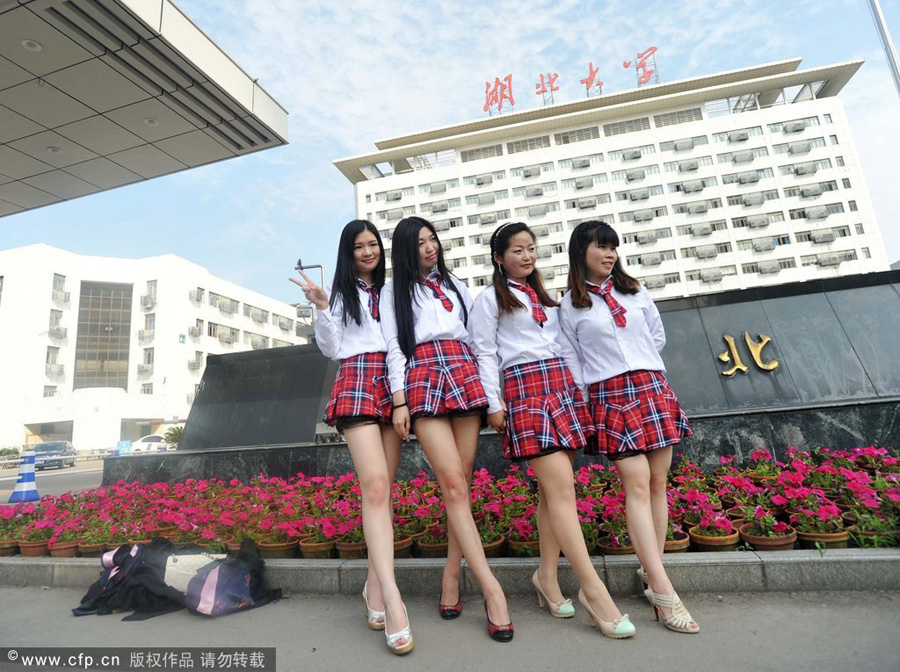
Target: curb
780, 571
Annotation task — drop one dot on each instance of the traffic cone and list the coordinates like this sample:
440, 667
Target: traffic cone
26, 489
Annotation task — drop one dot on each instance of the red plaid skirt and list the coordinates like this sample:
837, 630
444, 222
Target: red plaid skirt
361, 390
635, 412
442, 379
545, 411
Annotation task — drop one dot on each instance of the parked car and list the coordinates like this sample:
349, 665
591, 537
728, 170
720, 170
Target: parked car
149, 444
54, 454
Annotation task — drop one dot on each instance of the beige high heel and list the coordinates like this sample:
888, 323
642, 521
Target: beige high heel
679, 619
562, 609
621, 628
374, 619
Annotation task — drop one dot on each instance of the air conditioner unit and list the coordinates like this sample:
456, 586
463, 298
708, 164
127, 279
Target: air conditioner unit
148, 301
584, 183
822, 237
393, 196
194, 365
394, 214
701, 230
283, 324
226, 337
711, 275
631, 154
651, 259
258, 344
587, 203
655, 282
799, 147
768, 267
793, 127
549, 273
688, 166
820, 212
145, 369
533, 192
304, 312
829, 260
646, 238
228, 307
54, 369
197, 295
440, 206
742, 157
581, 163
60, 296
811, 191
194, 332
544, 253
442, 226
764, 245
634, 175
482, 180
531, 171
541, 231
537, 210
758, 221
707, 252
438, 188
750, 177
258, 316
738, 136
486, 199
639, 195
489, 218
643, 215
805, 169
692, 186
698, 208
684, 145
753, 199
58, 332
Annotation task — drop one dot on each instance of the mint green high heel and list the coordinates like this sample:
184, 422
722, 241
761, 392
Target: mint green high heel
621, 628
563, 609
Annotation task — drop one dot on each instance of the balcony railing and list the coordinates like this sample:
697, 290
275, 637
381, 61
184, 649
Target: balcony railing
58, 332
146, 334
54, 369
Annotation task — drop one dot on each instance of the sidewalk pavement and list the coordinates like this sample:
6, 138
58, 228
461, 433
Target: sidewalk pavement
796, 631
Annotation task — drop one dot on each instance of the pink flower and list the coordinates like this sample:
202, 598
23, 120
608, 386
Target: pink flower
780, 527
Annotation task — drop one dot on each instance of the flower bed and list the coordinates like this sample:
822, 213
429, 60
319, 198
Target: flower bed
814, 493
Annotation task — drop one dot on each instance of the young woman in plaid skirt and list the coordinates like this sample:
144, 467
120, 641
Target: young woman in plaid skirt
437, 392
618, 334
540, 414
348, 330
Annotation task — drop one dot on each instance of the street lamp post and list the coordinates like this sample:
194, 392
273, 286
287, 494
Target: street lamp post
889, 52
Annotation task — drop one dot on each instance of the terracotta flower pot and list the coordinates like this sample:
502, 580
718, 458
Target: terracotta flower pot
312, 550
521, 549
608, 549
8, 547
784, 542
426, 550
33, 549
351, 550
832, 540
403, 547
866, 539
287, 549
91, 550
679, 544
710, 544
64, 549
495, 549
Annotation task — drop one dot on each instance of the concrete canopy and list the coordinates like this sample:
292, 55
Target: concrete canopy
97, 94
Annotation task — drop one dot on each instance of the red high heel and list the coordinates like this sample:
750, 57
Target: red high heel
449, 612
499, 633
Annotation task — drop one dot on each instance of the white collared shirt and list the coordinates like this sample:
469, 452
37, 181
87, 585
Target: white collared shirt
339, 341
432, 323
509, 339
606, 350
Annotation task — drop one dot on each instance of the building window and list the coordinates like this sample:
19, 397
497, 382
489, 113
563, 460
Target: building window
859, 229
147, 388
104, 335
55, 319
52, 354
59, 282
150, 321
866, 253
151, 288
834, 140
852, 206
846, 182
148, 355
50, 390
827, 118
840, 161
1, 289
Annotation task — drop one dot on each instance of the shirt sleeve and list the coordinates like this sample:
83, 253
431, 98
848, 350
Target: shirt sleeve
483, 323
568, 342
396, 360
654, 321
329, 328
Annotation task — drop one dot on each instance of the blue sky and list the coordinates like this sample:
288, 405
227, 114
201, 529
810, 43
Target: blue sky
354, 72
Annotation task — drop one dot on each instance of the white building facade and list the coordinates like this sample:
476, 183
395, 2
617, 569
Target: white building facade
96, 350
727, 181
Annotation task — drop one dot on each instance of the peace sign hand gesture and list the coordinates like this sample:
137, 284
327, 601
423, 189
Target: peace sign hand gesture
313, 293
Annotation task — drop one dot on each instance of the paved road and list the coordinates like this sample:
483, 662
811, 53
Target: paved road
54, 481
741, 632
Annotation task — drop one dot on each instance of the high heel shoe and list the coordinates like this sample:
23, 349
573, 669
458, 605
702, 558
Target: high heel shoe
621, 628
499, 633
678, 619
644, 577
449, 612
562, 609
375, 619
405, 633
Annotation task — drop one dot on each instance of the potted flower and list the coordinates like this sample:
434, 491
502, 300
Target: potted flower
762, 468
614, 530
11, 524
820, 526
874, 530
765, 533
34, 537
523, 540
677, 540
65, 539
433, 544
319, 538
714, 532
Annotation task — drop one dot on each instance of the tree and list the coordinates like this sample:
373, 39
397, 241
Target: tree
173, 436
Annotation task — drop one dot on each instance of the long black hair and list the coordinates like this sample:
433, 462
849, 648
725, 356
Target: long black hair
408, 279
506, 300
345, 275
601, 233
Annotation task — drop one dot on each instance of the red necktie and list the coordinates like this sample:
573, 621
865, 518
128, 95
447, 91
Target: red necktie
537, 309
616, 308
434, 284
373, 299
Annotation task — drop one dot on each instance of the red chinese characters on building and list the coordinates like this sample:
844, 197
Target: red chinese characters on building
592, 80
548, 86
644, 72
501, 90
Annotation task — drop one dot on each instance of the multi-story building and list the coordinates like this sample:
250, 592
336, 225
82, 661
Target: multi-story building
96, 349
726, 181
